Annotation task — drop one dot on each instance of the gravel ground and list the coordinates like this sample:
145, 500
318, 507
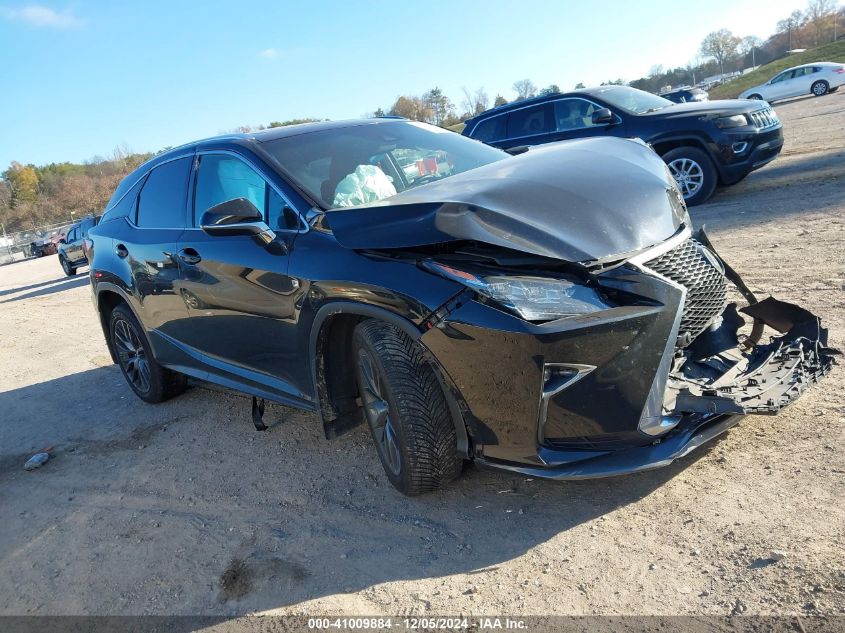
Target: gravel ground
182, 508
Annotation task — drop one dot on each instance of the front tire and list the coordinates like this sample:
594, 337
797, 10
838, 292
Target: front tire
755, 97
150, 381
70, 271
694, 172
819, 88
405, 409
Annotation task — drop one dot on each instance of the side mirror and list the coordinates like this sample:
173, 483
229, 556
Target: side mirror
62, 240
603, 116
236, 217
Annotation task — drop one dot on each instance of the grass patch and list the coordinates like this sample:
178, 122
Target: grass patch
833, 52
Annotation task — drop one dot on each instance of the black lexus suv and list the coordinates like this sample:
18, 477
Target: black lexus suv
705, 143
550, 313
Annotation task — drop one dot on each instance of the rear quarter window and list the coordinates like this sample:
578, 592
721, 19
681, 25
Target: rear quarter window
161, 203
492, 129
125, 205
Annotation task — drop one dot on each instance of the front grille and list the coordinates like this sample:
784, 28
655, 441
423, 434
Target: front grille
764, 118
692, 266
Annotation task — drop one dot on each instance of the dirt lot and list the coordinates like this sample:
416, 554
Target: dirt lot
182, 508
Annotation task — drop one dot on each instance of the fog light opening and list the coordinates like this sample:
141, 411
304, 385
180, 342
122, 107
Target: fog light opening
740, 147
658, 425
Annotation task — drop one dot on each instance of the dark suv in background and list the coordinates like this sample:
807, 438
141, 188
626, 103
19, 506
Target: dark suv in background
72, 246
704, 143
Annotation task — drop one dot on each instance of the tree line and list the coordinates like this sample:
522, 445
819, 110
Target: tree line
722, 51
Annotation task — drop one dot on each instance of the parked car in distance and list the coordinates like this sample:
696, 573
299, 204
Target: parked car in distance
549, 313
685, 95
809, 79
72, 246
48, 245
705, 143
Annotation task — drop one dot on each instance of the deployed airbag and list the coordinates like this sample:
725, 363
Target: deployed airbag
368, 183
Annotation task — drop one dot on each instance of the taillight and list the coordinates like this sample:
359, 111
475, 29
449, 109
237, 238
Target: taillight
839, 70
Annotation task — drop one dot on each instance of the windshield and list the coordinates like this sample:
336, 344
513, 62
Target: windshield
359, 164
632, 100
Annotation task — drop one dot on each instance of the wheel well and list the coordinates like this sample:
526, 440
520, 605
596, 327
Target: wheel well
107, 301
337, 389
663, 147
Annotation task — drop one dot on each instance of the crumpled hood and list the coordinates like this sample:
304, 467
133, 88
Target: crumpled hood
578, 201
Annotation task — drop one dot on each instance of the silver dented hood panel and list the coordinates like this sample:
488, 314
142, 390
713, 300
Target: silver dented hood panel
579, 201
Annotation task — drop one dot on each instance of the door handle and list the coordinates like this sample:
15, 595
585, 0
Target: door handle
189, 256
121, 251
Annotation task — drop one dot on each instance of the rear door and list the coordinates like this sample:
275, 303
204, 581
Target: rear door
145, 244
781, 86
530, 125
237, 291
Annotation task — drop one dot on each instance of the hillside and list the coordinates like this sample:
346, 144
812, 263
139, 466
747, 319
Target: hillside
833, 52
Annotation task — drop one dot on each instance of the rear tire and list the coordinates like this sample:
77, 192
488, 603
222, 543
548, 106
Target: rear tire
405, 409
756, 97
820, 88
70, 271
693, 171
150, 381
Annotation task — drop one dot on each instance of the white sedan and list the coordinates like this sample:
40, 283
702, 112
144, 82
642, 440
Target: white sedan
817, 79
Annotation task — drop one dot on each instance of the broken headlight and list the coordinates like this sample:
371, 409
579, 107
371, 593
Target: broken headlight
531, 298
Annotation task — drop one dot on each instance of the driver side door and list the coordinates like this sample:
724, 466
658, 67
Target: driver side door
239, 296
780, 86
573, 119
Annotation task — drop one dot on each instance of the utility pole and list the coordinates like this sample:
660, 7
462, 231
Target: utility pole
6, 241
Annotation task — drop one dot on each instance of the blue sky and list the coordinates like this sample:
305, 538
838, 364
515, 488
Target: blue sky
79, 78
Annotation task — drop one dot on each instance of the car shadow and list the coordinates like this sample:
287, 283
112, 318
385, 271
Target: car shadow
283, 516
46, 288
41, 284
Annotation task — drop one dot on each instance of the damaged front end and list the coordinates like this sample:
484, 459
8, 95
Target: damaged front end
717, 369
670, 363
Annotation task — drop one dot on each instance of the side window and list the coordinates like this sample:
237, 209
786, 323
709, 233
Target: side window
71, 235
574, 114
783, 76
492, 129
279, 215
222, 177
162, 201
125, 206
530, 121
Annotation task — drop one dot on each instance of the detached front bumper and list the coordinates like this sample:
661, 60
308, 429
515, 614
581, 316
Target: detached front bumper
567, 399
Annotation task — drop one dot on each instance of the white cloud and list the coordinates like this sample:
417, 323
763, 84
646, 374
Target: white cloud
37, 15
270, 53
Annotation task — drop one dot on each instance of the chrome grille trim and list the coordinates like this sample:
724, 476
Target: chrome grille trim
764, 118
